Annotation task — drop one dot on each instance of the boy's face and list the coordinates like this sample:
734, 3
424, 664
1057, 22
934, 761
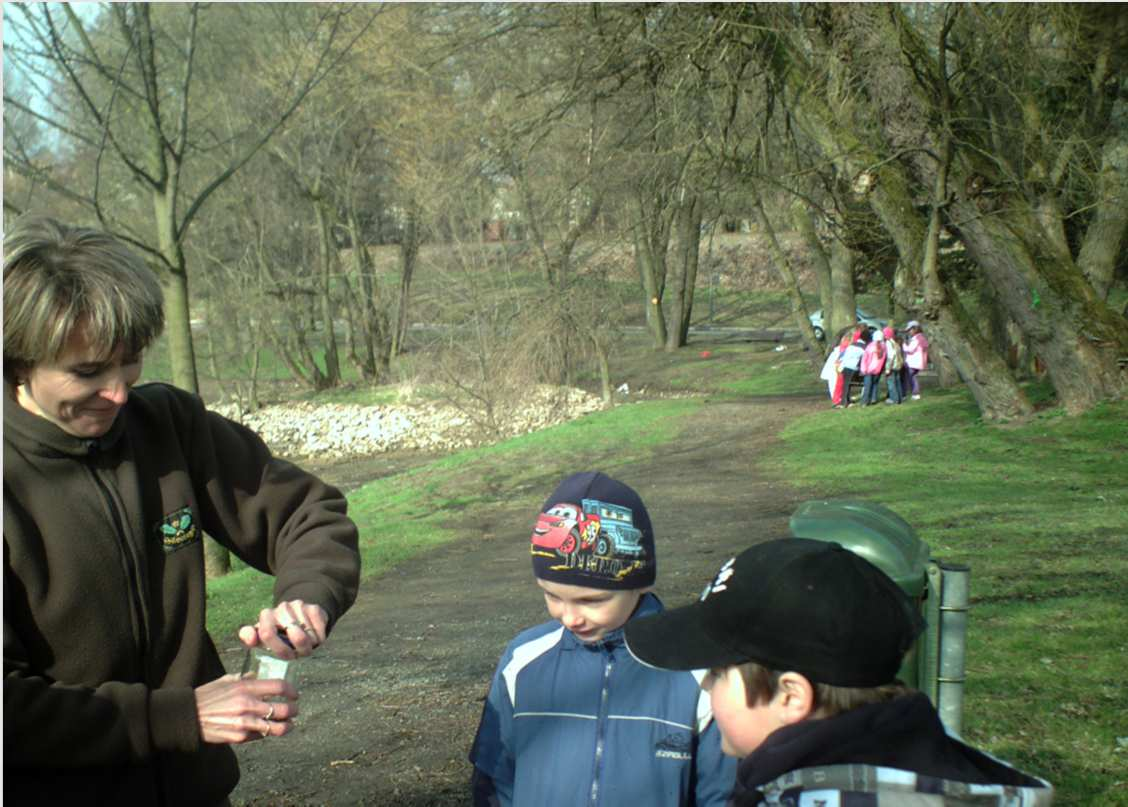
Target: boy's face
590, 613
743, 728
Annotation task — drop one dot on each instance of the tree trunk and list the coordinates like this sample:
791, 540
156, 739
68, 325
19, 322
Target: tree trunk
256, 361
843, 307
820, 262
178, 319
370, 323
328, 254
681, 279
178, 326
645, 260
603, 360
356, 342
313, 371
409, 252
1070, 329
372, 349
1105, 235
692, 252
675, 288
950, 327
282, 350
213, 365
794, 294
997, 330
942, 310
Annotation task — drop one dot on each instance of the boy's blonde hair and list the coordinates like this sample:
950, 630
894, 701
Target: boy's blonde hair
761, 684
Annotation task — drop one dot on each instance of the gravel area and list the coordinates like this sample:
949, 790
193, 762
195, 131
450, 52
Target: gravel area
336, 431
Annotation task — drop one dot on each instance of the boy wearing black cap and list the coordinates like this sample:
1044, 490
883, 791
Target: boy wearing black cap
803, 639
571, 718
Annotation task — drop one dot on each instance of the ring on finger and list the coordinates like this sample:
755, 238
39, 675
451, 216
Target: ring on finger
266, 732
270, 714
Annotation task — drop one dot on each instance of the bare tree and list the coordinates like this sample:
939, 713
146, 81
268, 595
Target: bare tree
122, 88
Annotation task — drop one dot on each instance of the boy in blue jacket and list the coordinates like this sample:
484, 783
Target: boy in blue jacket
571, 717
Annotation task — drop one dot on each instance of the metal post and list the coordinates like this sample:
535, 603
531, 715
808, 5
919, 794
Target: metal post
929, 643
954, 600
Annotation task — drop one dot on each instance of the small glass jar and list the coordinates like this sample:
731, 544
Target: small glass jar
258, 662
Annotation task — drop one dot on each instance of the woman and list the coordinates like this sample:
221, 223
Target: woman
113, 690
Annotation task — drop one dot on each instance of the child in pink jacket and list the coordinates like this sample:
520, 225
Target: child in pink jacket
873, 363
916, 356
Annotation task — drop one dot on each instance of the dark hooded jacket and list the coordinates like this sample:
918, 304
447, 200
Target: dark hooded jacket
104, 594
890, 753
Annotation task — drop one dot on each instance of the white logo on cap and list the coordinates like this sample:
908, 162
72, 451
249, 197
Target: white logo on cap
719, 581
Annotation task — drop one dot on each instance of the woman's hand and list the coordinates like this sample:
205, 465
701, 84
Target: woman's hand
305, 625
234, 710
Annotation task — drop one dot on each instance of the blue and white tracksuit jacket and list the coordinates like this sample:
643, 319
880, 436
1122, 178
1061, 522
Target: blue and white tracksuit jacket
568, 724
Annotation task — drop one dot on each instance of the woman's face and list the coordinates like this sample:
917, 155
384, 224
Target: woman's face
80, 392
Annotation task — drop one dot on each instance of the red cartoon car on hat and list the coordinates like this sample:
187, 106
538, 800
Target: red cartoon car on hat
563, 527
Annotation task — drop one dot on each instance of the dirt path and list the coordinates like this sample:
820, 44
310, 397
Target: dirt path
390, 705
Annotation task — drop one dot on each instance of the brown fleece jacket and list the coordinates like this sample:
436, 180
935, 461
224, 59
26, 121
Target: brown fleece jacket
104, 597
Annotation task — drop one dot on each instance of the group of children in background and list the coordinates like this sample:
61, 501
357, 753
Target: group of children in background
873, 354
787, 662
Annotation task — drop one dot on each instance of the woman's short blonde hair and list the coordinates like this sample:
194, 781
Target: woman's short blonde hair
57, 278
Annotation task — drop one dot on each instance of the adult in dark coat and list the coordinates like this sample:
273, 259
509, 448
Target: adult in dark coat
113, 691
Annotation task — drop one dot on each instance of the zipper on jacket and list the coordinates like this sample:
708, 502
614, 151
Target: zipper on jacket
135, 572
601, 725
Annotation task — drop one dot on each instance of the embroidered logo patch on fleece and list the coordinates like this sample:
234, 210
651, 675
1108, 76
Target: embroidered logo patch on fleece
178, 530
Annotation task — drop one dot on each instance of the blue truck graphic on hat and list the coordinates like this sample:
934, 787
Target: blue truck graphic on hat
618, 525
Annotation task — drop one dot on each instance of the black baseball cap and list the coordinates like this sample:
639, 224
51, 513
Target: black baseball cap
797, 604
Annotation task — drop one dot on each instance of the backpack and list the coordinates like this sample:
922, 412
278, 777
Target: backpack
894, 358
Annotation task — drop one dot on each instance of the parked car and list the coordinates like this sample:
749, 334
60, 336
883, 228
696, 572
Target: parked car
860, 316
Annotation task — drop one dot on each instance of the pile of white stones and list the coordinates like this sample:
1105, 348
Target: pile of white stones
331, 431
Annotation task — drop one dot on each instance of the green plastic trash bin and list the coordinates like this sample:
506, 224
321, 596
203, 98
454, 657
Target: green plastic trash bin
935, 665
